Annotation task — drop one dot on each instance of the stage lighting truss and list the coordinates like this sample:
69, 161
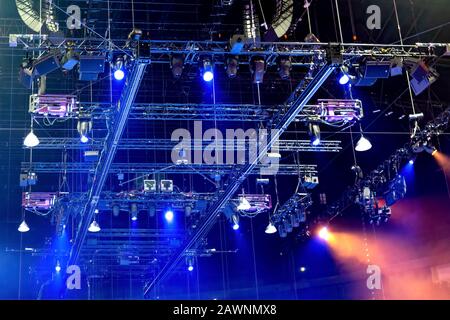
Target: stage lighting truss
53, 105
292, 213
259, 203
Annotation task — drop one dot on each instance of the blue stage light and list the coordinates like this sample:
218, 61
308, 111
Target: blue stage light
84, 139
119, 74
344, 79
316, 142
411, 162
169, 215
208, 76
191, 268
58, 267
236, 226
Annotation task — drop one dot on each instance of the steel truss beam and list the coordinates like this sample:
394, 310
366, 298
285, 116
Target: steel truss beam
295, 104
167, 144
204, 112
162, 50
150, 168
107, 155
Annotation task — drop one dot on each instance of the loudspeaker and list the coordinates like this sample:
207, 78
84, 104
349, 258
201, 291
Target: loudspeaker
377, 69
45, 65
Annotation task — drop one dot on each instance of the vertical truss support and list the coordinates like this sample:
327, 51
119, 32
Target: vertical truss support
295, 104
119, 121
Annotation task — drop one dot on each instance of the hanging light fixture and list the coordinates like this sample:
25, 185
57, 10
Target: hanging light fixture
94, 227
243, 204
363, 144
31, 140
271, 229
23, 227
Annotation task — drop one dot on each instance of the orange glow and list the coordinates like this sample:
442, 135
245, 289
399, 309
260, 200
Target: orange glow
407, 251
324, 234
443, 161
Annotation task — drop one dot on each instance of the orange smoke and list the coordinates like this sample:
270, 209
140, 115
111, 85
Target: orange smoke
443, 161
408, 249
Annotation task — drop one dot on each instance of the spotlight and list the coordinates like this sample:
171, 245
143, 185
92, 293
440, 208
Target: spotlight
151, 210
188, 210
284, 68
84, 127
207, 70
31, 140
243, 204
94, 227
258, 68
302, 269
324, 233
235, 219
116, 210
177, 66
363, 144
232, 67
344, 77
169, 215
134, 211
26, 74
23, 227
119, 74
84, 139
58, 267
430, 149
314, 133
191, 268
411, 162
270, 229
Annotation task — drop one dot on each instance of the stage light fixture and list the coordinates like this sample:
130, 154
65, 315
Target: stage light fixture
207, 70
363, 144
344, 76
324, 233
177, 66
314, 133
302, 269
118, 68
235, 220
134, 211
271, 229
190, 265
284, 68
31, 140
23, 227
116, 210
151, 210
243, 204
258, 69
84, 127
26, 74
168, 215
411, 162
58, 267
94, 226
232, 67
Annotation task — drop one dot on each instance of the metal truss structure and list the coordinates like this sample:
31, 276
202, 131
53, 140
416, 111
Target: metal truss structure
321, 59
152, 168
325, 110
194, 144
162, 50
